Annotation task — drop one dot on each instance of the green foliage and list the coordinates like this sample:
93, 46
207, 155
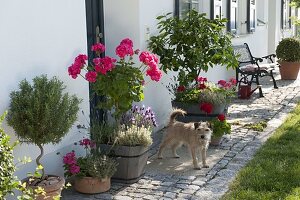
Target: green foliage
288, 50
41, 113
122, 86
99, 166
295, 3
8, 181
259, 126
274, 171
220, 128
103, 133
192, 44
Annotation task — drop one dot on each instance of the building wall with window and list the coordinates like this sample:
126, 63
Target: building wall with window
43, 37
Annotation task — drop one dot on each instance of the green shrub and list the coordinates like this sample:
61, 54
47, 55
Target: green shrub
8, 181
288, 50
41, 113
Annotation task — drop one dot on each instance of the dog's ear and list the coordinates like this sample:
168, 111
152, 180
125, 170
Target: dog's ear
196, 125
209, 124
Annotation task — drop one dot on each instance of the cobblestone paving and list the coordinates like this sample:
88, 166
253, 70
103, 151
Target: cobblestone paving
241, 145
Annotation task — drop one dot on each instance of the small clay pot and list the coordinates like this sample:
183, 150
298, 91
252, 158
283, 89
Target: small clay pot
91, 185
215, 141
53, 186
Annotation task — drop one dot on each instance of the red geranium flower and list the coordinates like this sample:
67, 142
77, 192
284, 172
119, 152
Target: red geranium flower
181, 88
221, 117
202, 86
206, 107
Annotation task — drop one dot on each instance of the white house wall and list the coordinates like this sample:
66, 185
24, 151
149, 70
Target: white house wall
41, 37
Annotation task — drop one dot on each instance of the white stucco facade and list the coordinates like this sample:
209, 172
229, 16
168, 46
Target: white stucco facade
43, 37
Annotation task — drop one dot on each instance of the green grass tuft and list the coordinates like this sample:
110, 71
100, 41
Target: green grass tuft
259, 126
274, 172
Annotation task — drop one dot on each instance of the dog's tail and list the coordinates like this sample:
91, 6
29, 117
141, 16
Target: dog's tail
174, 115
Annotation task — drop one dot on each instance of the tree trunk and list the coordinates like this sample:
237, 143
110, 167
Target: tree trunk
38, 159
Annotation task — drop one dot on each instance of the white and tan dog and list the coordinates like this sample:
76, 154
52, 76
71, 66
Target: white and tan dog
194, 134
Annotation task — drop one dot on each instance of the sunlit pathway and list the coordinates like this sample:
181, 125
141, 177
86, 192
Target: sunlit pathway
176, 179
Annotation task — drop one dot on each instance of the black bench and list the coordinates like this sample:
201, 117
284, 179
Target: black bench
250, 66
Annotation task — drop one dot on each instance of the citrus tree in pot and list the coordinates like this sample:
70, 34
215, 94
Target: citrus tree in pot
191, 45
41, 113
288, 53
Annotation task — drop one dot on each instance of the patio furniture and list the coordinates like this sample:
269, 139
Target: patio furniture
250, 66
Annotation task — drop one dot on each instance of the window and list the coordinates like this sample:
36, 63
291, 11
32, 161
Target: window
183, 6
251, 15
232, 8
216, 9
285, 14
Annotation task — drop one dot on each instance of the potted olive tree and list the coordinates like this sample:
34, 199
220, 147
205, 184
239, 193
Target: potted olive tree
288, 53
41, 113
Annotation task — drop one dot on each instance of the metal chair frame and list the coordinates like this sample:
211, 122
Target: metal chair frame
245, 58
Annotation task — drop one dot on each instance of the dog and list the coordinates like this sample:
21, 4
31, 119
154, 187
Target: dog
194, 134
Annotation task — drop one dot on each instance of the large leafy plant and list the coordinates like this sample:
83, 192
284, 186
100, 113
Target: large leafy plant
288, 50
191, 45
41, 113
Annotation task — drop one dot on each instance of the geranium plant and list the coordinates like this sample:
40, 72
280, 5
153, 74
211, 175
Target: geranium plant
118, 80
90, 165
220, 126
206, 94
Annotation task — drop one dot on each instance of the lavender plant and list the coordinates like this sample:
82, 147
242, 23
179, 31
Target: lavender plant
140, 116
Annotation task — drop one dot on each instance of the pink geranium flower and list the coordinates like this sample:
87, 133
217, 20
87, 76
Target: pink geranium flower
154, 73
127, 42
74, 169
81, 60
99, 48
91, 76
74, 70
69, 158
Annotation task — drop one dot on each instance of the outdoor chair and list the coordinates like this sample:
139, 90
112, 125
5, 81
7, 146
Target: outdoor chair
252, 67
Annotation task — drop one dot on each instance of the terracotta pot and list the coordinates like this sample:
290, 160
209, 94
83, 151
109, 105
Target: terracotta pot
216, 141
52, 186
289, 70
91, 185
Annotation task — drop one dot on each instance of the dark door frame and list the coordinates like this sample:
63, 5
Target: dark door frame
95, 33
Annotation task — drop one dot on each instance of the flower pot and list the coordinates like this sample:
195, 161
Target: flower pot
289, 70
215, 141
195, 114
131, 161
91, 185
53, 186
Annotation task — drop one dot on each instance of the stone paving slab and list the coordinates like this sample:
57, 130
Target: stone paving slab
175, 179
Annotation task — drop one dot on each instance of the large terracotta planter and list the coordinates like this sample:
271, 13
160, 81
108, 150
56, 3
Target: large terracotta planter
91, 185
289, 70
52, 186
131, 162
195, 114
